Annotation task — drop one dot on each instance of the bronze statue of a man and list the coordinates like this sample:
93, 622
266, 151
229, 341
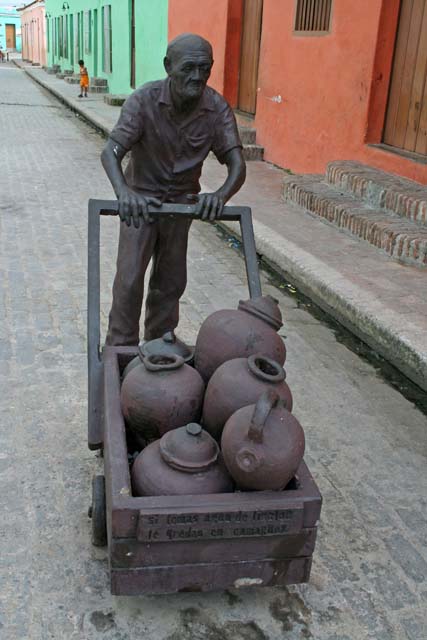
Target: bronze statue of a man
169, 126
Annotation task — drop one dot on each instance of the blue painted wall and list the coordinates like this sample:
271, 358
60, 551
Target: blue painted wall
10, 16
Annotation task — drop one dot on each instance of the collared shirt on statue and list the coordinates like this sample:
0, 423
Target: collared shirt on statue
167, 156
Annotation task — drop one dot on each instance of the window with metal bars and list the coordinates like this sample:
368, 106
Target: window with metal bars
76, 37
87, 32
107, 40
313, 16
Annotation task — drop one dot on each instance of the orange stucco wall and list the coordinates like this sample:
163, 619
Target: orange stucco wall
208, 19
320, 98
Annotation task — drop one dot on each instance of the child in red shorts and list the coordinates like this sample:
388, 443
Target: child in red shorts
84, 80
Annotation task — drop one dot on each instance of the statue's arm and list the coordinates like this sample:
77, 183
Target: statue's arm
210, 205
132, 205
236, 169
111, 158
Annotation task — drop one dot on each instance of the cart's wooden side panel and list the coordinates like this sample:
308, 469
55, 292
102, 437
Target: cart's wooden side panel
115, 451
127, 510
209, 577
133, 554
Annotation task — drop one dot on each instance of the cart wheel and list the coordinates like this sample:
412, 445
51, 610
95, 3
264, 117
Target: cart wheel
97, 511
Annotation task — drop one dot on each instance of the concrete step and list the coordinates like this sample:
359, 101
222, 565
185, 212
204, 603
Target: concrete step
404, 197
72, 79
253, 152
403, 240
115, 99
243, 119
247, 135
53, 70
99, 82
97, 89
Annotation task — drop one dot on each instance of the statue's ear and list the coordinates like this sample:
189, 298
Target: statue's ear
167, 65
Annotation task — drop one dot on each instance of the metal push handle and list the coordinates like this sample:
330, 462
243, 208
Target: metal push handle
243, 215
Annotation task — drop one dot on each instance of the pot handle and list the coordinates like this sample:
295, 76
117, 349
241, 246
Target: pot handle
266, 402
162, 363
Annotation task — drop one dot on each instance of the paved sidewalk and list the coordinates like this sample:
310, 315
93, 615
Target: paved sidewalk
366, 444
382, 302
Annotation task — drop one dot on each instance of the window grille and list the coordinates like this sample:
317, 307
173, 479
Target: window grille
107, 57
76, 37
81, 35
71, 40
86, 28
313, 15
61, 36
65, 36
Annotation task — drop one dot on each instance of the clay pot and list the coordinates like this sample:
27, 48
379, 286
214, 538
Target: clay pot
167, 345
161, 394
263, 444
186, 461
229, 334
238, 383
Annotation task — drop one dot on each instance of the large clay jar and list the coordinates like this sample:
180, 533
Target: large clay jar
239, 333
186, 461
238, 383
161, 394
167, 345
263, 444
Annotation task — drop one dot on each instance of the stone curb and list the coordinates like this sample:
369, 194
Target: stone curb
360, 313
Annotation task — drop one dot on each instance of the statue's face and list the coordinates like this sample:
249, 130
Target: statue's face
189, 72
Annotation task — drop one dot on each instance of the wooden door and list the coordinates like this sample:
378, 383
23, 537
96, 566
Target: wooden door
10, 36
406, 117
249, 55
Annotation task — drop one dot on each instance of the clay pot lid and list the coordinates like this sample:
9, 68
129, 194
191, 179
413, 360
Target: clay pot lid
189, 448
266, 308
167, 345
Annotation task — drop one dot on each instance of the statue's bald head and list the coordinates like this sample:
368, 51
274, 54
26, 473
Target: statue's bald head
186, 42
188, 63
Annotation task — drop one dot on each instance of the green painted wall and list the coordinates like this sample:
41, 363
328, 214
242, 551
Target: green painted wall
151, 36
151, 26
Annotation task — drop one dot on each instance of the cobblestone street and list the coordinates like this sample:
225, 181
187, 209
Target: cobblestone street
366, 444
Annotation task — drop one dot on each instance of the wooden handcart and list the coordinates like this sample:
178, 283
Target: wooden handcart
168, 544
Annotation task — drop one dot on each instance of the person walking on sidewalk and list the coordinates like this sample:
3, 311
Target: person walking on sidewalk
84, 80
169, 126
